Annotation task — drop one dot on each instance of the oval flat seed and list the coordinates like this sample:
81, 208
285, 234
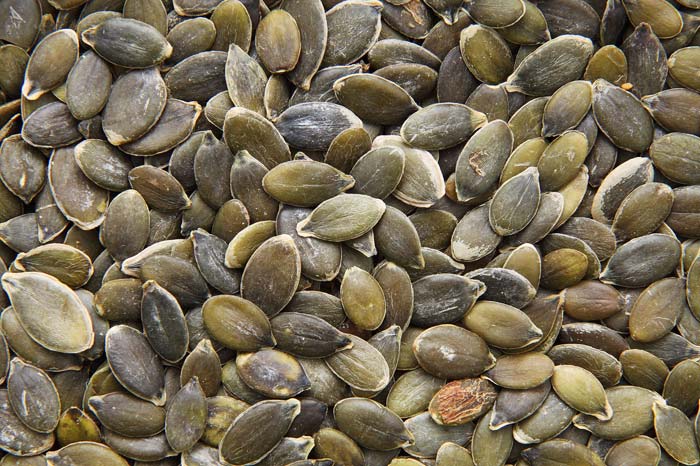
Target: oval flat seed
164, 322
361, 366
178, 276
604, 366
551, 65
482, 159
33, 396
212, 169
476, 44
237, 323
504, 286
506, 14
307, 335
440, 126
147, 449
412, 392
50, 127
186, 417
245, 80
103, 164
654, 199
560, 450
124, 232
117, 411
313, 126
550, 418
86, 451
342, 218
521, 372
669, 22
68, 264
359, 92
244, 442
50, 62
582, 391
159, 188
530, 29
422, 183
636, 132
643, 369
278, 41
209, 255
674, 109
323, 182
489, 446
88, 86
353, 29
641, 450
632, 413
378, 172
363, 299
337, 446
439, 352
22, 168
313, 27
19, 439
679, 387
646, 61
462, 401
65, 326
561, 160
515, 203
622, 269
190, 38
272, 373
397, 239
175, 126
134, 363
186, 81
270, 283
359, 417
430, 435
675, 433
512, 406
135, 104
443, 298
674, 155
651, 319
502, 325
128, 42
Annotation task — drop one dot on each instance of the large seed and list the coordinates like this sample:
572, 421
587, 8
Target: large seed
128, 43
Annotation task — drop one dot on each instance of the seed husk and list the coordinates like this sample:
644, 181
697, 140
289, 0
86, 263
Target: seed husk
358, 92
128, 42
313, 126
337, 446
324, 181
502, 325
521, 372
462, 401
515, 203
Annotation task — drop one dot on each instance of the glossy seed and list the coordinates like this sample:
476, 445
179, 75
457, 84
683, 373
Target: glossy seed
128, 42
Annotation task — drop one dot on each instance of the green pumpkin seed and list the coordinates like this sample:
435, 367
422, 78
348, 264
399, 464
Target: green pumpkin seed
675, 433
334, 444
118, 411
674, 155
128, 42
361, 366
203, 362
669, 22
278, 41
503, 14
233, 25
50, 63
88, 86
673, 109
563, 59
135, 364
33, 396
135, 104
70, 265
313, 27
549, 419
560, 450
190, 37
440, 126
69, 327
502, 325
522, 372
478, 42
163, 322
429, 435
353, 28
641, 450
186, 417
103, 164
439, 353
356, 416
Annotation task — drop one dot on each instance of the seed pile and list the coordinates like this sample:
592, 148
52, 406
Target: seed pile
351, 233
